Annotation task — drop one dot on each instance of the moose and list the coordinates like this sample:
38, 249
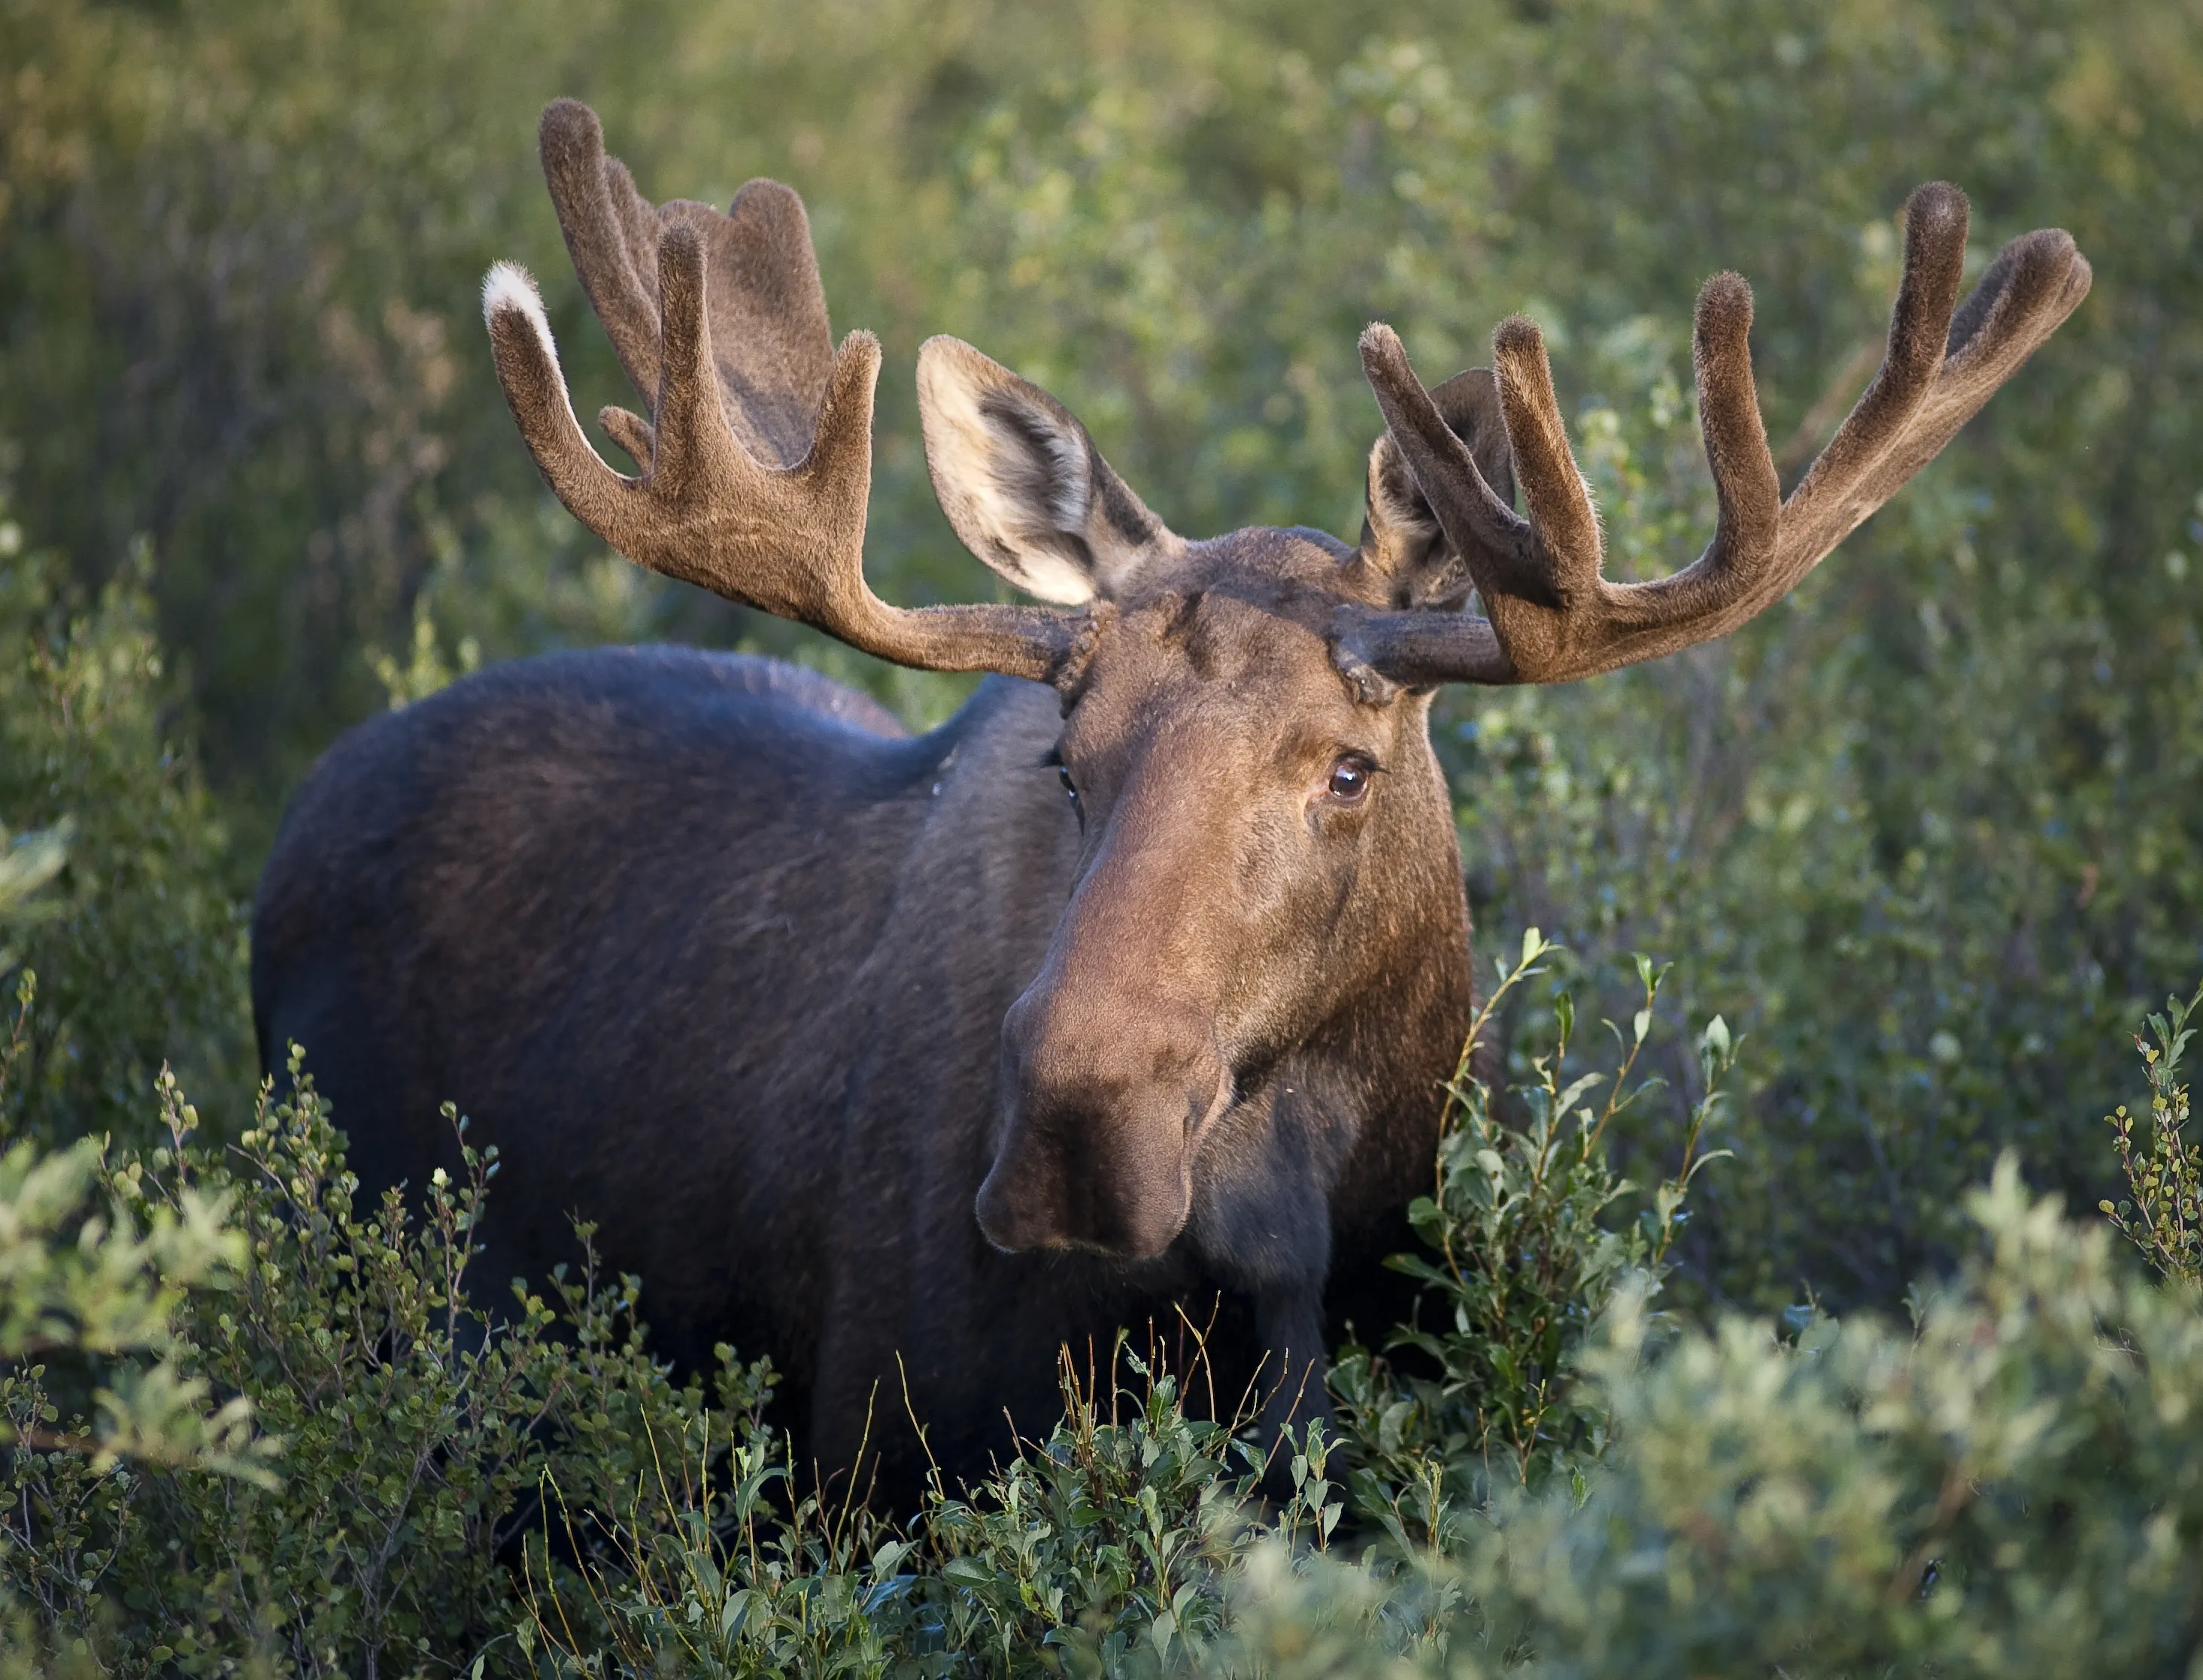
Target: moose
1129, 991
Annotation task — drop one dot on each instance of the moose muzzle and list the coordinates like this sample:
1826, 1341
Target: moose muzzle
1102, 1111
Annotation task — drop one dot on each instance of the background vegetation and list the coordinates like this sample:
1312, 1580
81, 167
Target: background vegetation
1927, 835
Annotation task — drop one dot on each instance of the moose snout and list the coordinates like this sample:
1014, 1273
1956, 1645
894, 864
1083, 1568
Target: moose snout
1097, 1130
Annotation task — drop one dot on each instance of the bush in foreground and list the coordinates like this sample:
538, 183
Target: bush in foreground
2012, 1486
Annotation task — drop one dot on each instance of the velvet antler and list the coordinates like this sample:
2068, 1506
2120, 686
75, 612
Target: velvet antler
757, 457
1551, 615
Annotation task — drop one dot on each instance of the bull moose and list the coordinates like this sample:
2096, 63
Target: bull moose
907, 1060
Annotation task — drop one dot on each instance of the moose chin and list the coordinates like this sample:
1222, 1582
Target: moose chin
1123, 999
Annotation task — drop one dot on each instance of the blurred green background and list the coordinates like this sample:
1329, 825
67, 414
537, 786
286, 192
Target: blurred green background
1927, 834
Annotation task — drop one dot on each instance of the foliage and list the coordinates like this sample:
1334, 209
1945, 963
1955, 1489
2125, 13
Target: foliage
77, 1281
2005, 1489
408, 1438
1108, 1544
2014, 1486
1522, 1260
118, 895
27, 862
2164, 1219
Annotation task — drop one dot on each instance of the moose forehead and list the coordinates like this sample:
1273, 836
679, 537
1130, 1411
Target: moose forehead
1249, 613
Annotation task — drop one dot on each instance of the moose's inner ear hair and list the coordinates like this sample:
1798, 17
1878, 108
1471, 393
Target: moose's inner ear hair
1401, 540
1400, 534
1022, 483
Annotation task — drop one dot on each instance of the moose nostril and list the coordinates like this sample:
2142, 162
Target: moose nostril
1108, 1178
1021, 1210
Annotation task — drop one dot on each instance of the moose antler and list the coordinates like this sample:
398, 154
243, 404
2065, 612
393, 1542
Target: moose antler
757, 457
1552, 616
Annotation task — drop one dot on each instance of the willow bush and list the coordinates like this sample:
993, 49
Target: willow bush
2011, 1485
117, 885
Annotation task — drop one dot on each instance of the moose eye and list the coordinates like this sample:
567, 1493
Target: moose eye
1349, 778
1054, 761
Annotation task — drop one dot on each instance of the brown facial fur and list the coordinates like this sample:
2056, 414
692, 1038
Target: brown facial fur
1226, 900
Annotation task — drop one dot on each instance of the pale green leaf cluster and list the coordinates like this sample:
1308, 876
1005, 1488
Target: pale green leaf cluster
2013, 1487
1527, 1236
2164, 1219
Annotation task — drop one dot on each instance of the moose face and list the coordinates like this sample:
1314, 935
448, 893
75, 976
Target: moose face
1256, 827
1244, 818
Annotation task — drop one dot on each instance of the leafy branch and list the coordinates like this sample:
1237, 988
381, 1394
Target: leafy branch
107, 1281
2164, 1217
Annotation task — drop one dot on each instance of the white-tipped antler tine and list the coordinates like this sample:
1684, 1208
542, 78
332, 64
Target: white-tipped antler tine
535, 389
757, 462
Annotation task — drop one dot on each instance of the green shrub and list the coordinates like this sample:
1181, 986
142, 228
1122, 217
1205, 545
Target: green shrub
349, 1472
2012, 1487
120, 898
1522, 1256
406, 1438
1109, 1542
78, 1279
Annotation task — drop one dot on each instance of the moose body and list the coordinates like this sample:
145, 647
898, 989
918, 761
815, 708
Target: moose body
718, 959
1129, 994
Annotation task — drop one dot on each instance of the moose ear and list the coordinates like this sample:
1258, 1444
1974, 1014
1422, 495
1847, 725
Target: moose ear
1022, 484
1401, 542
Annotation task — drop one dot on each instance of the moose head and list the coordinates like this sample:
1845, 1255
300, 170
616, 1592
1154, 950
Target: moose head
1245, 735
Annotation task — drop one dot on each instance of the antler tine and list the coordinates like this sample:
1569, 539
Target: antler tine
611, 234
720, 504
2036, 282
1935, 221
1554, 493
535, 389
1552, 616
